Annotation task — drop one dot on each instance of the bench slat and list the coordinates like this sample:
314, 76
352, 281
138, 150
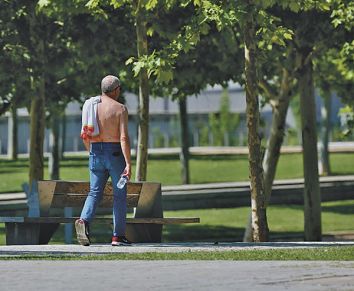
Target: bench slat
12, 219
84, 187
78, 200
170, 220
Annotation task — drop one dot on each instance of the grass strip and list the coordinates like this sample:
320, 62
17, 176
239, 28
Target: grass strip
335, 253
166, 170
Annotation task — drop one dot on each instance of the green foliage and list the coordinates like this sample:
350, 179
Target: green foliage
345, 61
224, 124
271, 31
343, 13
155, 66
161, 62
295, 5
159, 140
204, 135
347, 120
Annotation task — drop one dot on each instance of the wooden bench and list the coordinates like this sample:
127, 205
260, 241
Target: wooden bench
46, 212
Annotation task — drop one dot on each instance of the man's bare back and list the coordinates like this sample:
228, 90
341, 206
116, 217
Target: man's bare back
110, 119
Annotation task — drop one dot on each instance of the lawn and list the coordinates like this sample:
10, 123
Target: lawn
166, 169
222, 225
285, 222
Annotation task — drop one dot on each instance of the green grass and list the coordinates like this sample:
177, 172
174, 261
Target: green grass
223, 225
343, 253
203, 169
285, 221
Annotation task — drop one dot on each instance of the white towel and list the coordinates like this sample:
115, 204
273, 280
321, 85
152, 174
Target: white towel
90, 127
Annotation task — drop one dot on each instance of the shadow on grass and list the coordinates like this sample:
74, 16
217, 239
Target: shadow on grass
175, 157
100, 233
220, 157
177, 233
208, 233
342, 209
11, 170
75, 165
5, 165
342, 173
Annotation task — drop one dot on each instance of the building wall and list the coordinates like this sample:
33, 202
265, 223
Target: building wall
164, 131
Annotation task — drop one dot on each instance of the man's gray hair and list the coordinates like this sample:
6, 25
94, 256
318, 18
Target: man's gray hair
109, 83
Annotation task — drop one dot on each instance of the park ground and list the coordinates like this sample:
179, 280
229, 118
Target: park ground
193, 257
186, 266
217, 225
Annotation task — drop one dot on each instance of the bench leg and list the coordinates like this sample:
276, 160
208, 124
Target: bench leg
22, 233
144, 233
46, 232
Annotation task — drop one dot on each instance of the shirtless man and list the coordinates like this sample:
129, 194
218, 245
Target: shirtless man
109, 156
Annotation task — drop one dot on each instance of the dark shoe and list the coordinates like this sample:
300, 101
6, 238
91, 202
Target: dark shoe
120, 241
82, 232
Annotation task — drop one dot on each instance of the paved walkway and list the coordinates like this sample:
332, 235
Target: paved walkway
175, 275
172, 275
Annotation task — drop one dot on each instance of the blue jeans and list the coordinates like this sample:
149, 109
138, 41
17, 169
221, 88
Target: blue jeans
106, 159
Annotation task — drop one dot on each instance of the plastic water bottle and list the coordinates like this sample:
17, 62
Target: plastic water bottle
122, 181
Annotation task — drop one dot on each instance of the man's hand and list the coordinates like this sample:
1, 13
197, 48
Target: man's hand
127, 171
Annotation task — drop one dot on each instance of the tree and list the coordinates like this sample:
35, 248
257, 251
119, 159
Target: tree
37, 30
259, 218
194, 51
280, 88
13, 71
84, 54
218, 14
28, 31
184, 155
143, 129
333, 70
279, 97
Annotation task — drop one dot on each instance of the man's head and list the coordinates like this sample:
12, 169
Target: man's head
110, 85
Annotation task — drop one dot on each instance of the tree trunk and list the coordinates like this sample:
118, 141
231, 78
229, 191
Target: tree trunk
312, 197
12, 145
275, 141
184, 154
259, 218
63, 136
37, 109
324, 164
54, 156
143, 129
37, 117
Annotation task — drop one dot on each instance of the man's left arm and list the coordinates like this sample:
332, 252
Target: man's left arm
124, 139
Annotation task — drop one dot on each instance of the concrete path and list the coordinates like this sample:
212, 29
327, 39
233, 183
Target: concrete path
175, 275
171, 275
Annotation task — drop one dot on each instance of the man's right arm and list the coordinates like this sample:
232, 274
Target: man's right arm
84, 136
124, 139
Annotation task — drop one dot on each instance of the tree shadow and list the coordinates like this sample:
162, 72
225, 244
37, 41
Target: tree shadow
215, 233
341, 209
11, 170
